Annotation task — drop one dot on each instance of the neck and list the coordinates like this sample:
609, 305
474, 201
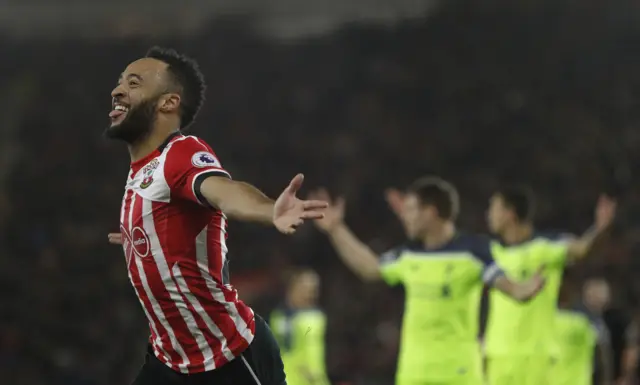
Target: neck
440, 235
162, 128
517, 233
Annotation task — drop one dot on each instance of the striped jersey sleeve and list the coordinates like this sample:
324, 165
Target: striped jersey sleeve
189, 162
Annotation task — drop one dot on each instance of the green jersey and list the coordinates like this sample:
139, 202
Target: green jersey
576, 335
300, 335
443, 288
515, 328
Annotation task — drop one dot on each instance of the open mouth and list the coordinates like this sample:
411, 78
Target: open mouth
118, 112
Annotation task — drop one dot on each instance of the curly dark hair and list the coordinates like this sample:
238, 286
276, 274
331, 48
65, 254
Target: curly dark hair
188, 81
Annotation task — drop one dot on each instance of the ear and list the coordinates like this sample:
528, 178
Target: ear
169, 103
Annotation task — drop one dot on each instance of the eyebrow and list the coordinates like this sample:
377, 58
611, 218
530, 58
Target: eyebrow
130, 76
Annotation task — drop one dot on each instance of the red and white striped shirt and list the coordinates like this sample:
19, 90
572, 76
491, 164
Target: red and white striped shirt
176, 257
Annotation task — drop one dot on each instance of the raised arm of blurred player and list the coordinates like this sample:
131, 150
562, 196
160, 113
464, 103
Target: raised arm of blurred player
244, 202
604, 215
353, 252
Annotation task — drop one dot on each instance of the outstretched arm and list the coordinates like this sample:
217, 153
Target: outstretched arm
604, 216
353, 252
238, 200
243, 201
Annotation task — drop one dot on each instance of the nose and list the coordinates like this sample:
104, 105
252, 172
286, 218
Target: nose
117, 92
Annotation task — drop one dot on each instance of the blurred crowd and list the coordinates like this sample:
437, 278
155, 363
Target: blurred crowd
544, 95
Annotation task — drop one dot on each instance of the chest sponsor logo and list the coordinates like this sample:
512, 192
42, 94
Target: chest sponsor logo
135, 242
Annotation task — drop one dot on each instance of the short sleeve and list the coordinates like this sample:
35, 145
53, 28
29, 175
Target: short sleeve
481, 249
390, 266
189, 162
556, 250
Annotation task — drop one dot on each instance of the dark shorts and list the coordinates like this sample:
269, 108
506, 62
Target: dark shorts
260, 364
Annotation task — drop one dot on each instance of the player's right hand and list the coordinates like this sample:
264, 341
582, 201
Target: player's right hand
333, 215
115, 238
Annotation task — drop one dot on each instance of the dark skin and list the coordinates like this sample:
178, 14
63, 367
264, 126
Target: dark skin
147, 80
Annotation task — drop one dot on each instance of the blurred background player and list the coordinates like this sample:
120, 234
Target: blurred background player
519, 336
442, 271
582, 339
299, 327
628, 339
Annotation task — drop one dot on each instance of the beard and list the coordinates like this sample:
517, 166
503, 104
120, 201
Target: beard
137, 125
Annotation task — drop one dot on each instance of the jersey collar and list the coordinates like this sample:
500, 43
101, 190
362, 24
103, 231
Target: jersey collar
138, 164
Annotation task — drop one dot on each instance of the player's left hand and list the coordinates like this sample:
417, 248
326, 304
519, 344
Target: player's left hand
289, 212
395, 200
115, 238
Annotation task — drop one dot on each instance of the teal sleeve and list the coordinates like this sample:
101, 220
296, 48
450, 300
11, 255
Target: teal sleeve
391, 267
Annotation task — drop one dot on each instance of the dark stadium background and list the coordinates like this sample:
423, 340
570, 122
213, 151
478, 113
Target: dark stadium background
359, 95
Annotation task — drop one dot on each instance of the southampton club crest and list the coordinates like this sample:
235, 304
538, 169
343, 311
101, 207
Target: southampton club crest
147, 173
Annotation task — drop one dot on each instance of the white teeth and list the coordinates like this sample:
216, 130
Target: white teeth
120, 107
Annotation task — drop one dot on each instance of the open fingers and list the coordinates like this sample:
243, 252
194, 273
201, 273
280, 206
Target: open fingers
315, 204
296, 183
294, 226
115, 238
312, 214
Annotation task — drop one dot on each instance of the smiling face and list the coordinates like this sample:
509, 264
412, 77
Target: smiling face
136, 100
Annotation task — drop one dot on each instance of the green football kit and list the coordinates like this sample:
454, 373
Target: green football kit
519, 336
577, 335
443, 286
300, 335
